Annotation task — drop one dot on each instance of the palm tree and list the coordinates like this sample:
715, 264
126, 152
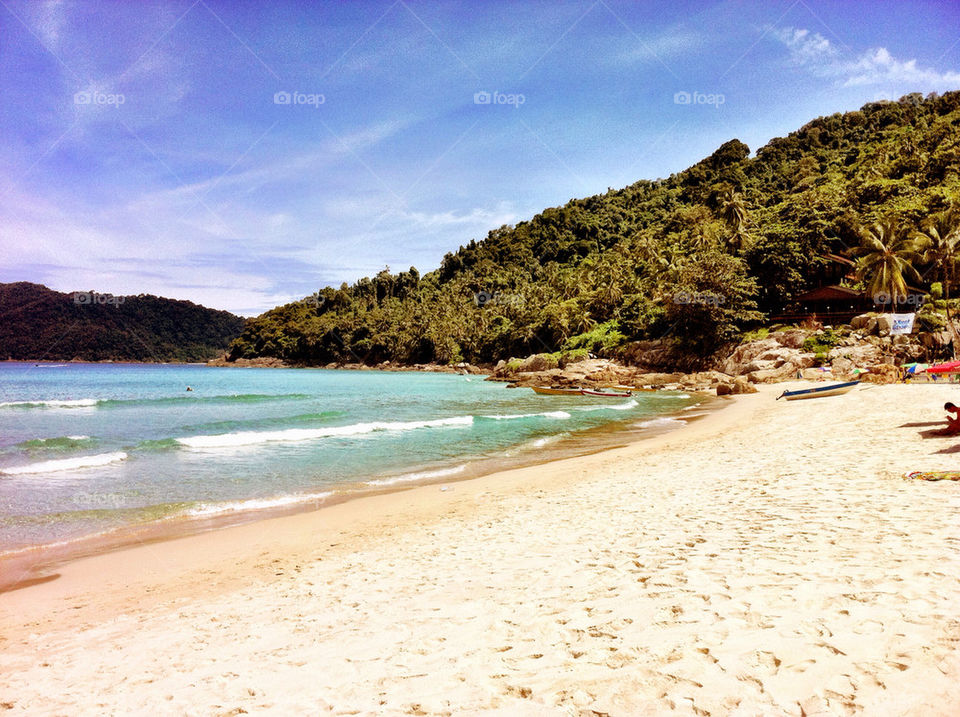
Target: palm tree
733, 210
886, 261
939, 240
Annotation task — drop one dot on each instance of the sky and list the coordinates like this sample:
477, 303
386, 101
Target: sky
242, 154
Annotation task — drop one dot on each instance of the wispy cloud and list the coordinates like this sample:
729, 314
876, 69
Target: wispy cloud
663, 47
875, 66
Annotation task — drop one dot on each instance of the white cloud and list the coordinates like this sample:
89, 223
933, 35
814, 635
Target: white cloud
668, 45
874, 67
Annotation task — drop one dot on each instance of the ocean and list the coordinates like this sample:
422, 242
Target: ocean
91, 449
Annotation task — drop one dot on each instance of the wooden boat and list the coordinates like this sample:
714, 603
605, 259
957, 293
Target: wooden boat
545, 391
604, 394
833, 389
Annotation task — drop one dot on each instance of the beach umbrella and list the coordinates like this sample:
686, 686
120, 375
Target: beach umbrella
948, 367
916, 367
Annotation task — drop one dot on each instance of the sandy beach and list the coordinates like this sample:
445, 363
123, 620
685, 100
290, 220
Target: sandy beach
767, 559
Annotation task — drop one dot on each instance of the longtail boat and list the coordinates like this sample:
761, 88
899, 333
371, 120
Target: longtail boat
604, 394
546, 391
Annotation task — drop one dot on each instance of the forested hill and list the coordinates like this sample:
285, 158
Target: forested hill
37, 323
696, 258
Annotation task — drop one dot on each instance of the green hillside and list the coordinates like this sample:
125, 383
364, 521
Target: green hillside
695, 258
37, 323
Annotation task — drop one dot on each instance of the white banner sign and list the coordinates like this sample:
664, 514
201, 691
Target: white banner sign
902, 324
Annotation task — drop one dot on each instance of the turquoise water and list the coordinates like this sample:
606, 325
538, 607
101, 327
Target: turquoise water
86, 448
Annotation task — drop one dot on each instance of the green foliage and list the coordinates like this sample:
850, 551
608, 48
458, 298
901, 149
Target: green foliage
755, 335
600, 272
822, 343
37, 323
599, 340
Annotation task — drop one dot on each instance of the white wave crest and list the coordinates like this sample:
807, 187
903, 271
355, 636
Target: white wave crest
250, 438
53, 403
615, 407
67, 464
210, 509
543, 414
422, 475
660, 423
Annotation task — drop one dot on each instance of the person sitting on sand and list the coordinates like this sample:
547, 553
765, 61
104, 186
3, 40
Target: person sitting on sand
953, 422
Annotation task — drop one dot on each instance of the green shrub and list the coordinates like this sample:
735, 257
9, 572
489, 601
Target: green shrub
600, 339
755, 335
823, 343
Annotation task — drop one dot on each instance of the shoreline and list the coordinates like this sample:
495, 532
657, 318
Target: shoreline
363, 509
768, 558
35, 564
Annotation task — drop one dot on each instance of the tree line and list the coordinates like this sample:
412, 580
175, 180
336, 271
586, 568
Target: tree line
694, 259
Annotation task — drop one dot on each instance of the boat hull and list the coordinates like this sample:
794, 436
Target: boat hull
604, 394
836, 389
545, 391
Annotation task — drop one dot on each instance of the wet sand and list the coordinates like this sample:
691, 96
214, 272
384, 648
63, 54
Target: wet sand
767, 559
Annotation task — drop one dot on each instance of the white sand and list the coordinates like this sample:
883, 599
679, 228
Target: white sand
768, 560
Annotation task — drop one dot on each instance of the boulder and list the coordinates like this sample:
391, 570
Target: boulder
884, 324
537, 362
741, 385
862, 356
724, 389
791, 339
657, 379
786, 371
841, 368
935, 339
882, 373
737, 362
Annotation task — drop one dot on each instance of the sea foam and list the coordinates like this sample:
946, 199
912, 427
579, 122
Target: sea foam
211, 509
53, 403
67, 464
421, 475
250, 438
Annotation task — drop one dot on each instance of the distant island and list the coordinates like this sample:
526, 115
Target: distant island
831, 221
39, 324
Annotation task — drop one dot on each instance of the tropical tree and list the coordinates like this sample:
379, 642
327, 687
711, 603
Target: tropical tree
886, 261
733, 211
939, 241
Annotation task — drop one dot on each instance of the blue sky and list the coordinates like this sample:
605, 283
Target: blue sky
244, 154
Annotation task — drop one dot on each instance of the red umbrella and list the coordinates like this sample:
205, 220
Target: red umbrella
948, 367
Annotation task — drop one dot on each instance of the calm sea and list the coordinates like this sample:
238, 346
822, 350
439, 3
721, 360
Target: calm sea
91, 448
